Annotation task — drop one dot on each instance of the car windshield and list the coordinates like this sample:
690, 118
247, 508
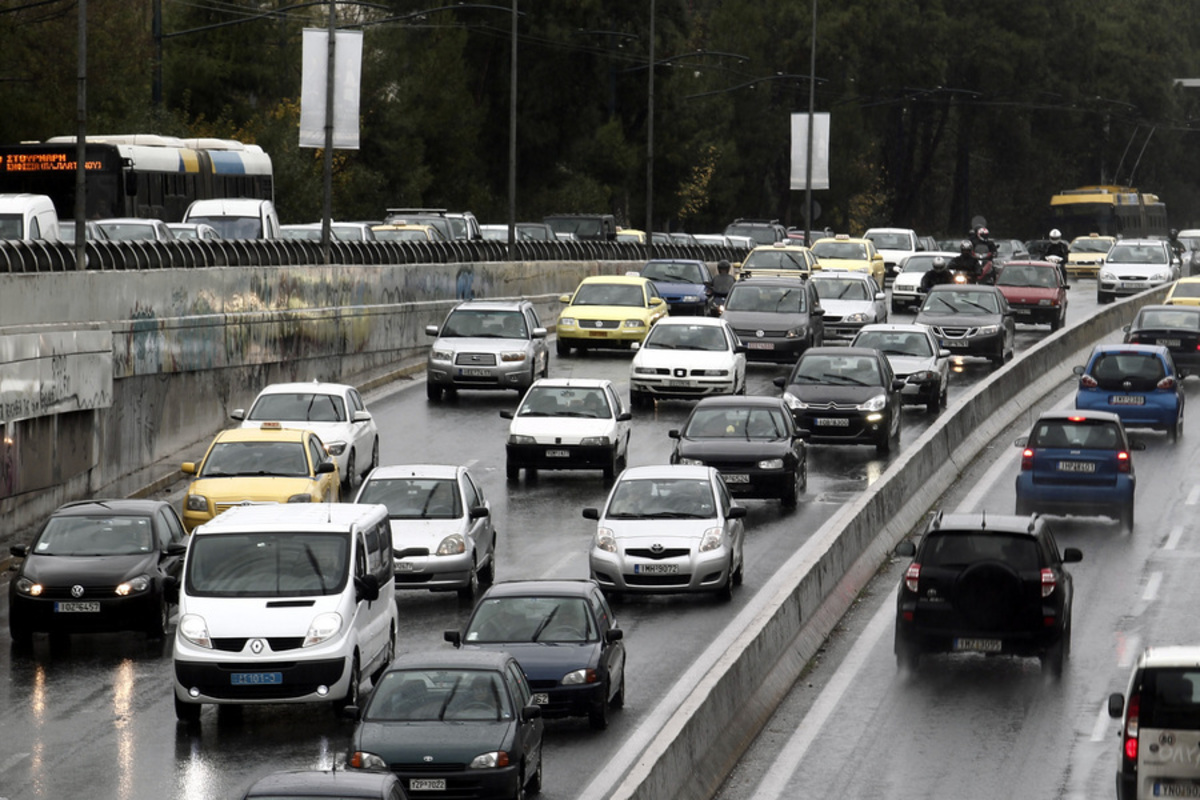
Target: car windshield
838, 370
285, 564
531, 619
1137, 254
1079, 434
960, 303
1127, 370
1170, 698
128, 231
918, 264
841, 289
233, 227
686, 337
439, 695
485, 324
853, 251
736, 423
299, 406
674, 272
1021, 275
957, 549
101, 535
1091, 245
415, 498
402, 235
775, 259
662, 498
896, 343
282, 459
890, 241
565, 401
1182, 289
771, 299
1181, 319
609, 294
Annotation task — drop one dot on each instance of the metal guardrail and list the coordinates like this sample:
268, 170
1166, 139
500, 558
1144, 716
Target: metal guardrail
40, 256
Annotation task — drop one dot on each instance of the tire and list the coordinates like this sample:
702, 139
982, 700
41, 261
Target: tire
895, 307
562, 348
1125, 517
1176, 431
639, 399
988, 594
487, 575
598, 715
908, 655
374, 457
1102, 297
791, 497
512, 472
740, 573
534, 785
1054, 659
1058, 322
351, 698
933, 403
156, 624
187, 712
389, 655
725, 593
469, 592
350, 481
22, 635
612, 468
520, 793
890, 440
618, 699
433, 392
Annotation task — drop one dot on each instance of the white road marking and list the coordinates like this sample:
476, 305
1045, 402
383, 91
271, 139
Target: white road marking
1193, 496
1129, 647
1102, 730
560, 567
1152, 587
1173, 538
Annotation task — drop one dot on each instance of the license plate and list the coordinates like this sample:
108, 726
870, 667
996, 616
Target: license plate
1134, 284
427, 784
1023, 311
1169, 342
558, 454
1174, 789
679, 384
77, 608
760, 346
256, 678
1127, 400
832, 422
978, 645
475, 373
541, 699
600, 334
655, 569
953, 343
737, 477
1076, 466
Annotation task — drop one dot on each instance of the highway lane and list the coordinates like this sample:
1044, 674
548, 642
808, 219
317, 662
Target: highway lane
94, 714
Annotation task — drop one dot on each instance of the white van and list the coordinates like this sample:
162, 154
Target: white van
289, 603
236, 218
1160, 725
28, 217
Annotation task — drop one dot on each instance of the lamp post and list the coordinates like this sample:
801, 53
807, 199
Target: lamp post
812, 95
650, 143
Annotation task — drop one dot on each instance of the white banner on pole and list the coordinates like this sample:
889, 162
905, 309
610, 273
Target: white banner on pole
820, 151
347, 73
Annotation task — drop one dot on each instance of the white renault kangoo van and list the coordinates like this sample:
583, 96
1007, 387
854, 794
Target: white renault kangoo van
28, 217
288, 603
236, 217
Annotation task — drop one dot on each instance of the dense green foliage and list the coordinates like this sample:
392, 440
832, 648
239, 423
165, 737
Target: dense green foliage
941, 109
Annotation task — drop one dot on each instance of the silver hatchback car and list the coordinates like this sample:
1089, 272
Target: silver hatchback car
487, 344
668, 528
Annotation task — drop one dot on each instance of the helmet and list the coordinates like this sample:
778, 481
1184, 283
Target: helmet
939, 264
966, 246
983, 233
723, 266
1174, 234
1055, 234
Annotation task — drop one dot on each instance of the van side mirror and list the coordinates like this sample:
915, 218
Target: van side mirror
368, 588
1116, 705
1072, 555
591, 513
479, 512
453, 637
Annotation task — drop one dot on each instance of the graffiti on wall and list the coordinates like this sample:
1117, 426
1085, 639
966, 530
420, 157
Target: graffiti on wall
54, 373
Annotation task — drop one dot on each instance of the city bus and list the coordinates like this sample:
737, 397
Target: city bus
1107, 211
141, 175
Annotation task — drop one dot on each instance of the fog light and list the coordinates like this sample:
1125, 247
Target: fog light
322, 690
874, 417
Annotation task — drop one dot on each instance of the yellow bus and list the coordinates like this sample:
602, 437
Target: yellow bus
1107, 211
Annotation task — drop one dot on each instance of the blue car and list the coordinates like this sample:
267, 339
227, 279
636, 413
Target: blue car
1077, 462
1139, 383
683, 283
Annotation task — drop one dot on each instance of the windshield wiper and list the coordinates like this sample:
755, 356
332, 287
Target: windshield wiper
312, 559
542, 625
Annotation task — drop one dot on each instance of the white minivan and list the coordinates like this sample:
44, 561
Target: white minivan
287, 603
28, 217
236, 218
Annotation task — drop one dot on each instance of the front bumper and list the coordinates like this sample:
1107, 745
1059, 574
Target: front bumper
687, 388
1124, 287
569, 701
46, 615
838, 426
428, 571
581, 335
694, 572
989, 345
1035, 314
504, 375
560, 456
299, 680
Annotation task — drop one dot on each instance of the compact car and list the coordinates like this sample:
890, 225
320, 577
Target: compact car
1185, 291
851, 300
1035, 292
1137, 382
1085, 254
970, 320
133, 229
486, 344
1175, 327
916, 358
775, 319
906, 286
683, 283
608, 311
854, 255
1135, 265
687, 358
783, 259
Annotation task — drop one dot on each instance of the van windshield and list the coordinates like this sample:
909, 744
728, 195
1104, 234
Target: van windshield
11, 227
285, 564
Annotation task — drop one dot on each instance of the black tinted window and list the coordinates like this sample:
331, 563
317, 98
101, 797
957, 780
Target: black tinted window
1170, 698
963, 549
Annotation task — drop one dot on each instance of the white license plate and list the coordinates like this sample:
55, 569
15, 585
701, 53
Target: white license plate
679, 384
1134, 284
1127, 400
77, 608
427, 784
655, 569
475, 373
737, 477
760, 346
558, 454
1076, 466
1176, 789
1023, 311
1169, 342
256, 678
541, 699
978, 645
832, 422
953, 343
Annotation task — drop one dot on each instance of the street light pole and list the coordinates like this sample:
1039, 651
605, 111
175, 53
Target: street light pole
512, 137
327, 179
650, 144
812, 94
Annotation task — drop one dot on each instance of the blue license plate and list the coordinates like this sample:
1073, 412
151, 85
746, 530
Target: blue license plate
256, 678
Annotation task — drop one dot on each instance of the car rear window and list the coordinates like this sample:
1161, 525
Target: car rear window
1076, 435
1141, 371
1170, 698
1185, 319
958, 549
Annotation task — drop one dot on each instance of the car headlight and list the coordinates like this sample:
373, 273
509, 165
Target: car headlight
690, 462
771, 463
1045, 301
605, 540
513, 355
595, 441
323, 628
714, 373
133, 586
578, 677
567, 321
857, 317
1105, 275
194, 629
794, 402
26, 586
335, 448
876, 403
795, 333
492, 760
988, 330
713, 539
922, 376
305, 497
645, 370
452, 545
635, 323
519, 439
361, 760
441, 355
196, 502
690, 298
1160, 276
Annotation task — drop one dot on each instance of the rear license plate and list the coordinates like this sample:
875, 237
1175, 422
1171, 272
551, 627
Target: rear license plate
1169, 342
77, 608
1127, 400
832, 422
1176, 789
679, 384
427, 784
655, 569
475, 373
256, 678
760, 346
953, 343
600, 334
978, 645
558, 454
541, 699
1076, 466
737, 477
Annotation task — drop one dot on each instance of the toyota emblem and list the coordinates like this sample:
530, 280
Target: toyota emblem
760, 334
77, 591
428, 759
257, 646
656, 548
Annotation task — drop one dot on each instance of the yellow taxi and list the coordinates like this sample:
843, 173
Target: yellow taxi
1086, 253
246, 466
780, 260
407, 233
853, 255
609, 311
1185, 292
631, 236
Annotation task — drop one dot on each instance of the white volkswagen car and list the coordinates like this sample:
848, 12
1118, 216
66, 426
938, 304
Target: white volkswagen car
443, 538
568, 423
334, 411
668, 528
687, 357
916, 358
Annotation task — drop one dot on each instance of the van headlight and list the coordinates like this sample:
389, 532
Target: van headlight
323, 628
452, 545
194, 629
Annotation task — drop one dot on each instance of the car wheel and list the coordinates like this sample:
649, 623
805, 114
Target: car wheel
1054, 659
351, 696
933, 403
742, 390
908, 655
535, 783
639, 399
611, 469
487, 575
1059, 321
740, 572
598, 715
467, 593
1177, 430
1102, 297
350, 481
791, 495
562, 348
156, 623
22, 634
725, 593
889, 441
895, 307
389, 655
1126, 517
512, 471
187, 712
618, 698
433, 391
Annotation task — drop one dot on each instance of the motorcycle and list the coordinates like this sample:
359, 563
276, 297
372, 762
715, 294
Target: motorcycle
986, 276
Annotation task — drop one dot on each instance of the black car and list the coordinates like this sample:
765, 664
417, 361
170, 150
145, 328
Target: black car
752, 441
985, 583
455, 723
327, 785
777, 319
970, 320
845, 395
1176, 328
563, 634
97, 566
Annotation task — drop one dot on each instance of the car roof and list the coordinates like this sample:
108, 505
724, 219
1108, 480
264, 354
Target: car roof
578, 383
850, 239
1171, 656
889, 230
637, 280
983, 522
491, 305
857, 352
780, 245
291, 517
772, 280
323, 783
965, 288
133, 507
830, 274
1172, 309
1141, 242
575, 587
415, 471
671, 260
897, 327
711, 322
261, 435
665, 471
451, 659
1117, 347
740, 401
314, 387
1030, 262
1076, 413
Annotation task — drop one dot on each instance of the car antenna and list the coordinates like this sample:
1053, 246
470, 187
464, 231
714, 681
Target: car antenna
983, 520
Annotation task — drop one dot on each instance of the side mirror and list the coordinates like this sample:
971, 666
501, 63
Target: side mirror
1072, 555
506, 415
174, 549
897, 385
431, 330
1078, 370
479, 512
906, 549
780, 382
673, 433
817, 312
530, 713
188, 467
591, 513
566, 298
540, 333
1021, 441
736, 512
635, 346
368, 588
943, 353
362, 416
326, 467
613, 635
881, 296
656, 301
453, 637
18, 550
624, 416
238, 414
1126, 328
351, 712
1116, 705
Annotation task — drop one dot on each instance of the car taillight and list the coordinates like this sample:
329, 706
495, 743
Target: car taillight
1167, 383
1027, 459
1048, 582
1131, 726
1123, 462
912, 577
1087, 382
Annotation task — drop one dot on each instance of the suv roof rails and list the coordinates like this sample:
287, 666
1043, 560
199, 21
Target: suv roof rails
440, 211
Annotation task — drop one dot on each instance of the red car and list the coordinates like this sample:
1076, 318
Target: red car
1036, 292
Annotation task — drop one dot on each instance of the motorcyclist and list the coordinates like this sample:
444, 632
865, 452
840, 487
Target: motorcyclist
1177, 248
1058, 247
720, 287
981, 238
936, 275
966, 262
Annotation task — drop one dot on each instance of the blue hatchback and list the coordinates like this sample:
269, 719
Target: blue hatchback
1077, 463
683, 283
1139, 383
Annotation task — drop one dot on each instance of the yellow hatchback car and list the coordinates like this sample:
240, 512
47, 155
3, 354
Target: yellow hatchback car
248, 466
1185, 292
1086, 254
779, 260
609, 311
853, 255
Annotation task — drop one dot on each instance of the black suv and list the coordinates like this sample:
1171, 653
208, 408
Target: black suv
986, 583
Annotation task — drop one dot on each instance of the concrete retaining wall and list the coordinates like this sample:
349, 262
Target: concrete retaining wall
731, 702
